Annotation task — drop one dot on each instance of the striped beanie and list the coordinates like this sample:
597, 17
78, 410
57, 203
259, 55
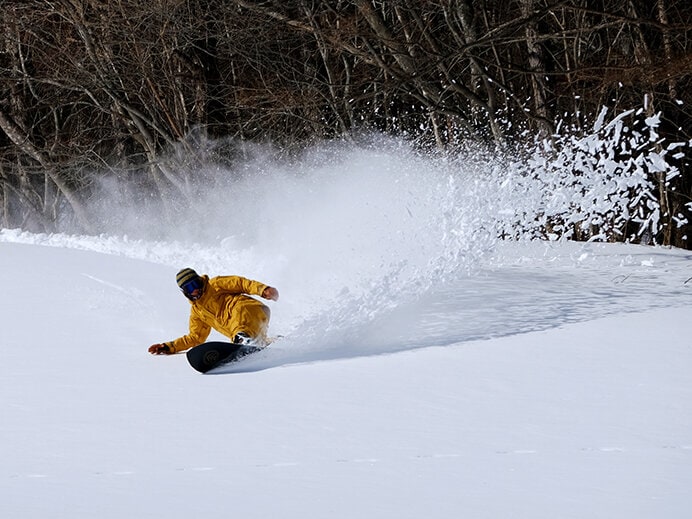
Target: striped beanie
184, 276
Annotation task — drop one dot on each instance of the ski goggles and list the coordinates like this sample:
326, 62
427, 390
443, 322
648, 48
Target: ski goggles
192, 285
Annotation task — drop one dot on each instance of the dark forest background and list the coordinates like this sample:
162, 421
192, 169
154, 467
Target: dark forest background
136, 89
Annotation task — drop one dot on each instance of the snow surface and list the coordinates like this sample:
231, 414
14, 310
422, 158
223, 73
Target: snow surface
549, 381
426, 369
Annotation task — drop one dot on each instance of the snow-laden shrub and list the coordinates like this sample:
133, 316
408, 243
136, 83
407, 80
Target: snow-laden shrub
606, 184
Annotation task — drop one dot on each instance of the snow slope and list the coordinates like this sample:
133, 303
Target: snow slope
550, 381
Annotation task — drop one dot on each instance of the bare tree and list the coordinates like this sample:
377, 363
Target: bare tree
134, 89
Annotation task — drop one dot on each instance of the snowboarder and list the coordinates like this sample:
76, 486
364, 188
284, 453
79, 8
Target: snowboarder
222, 303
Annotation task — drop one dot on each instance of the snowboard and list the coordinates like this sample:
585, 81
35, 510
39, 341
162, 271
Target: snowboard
211, 355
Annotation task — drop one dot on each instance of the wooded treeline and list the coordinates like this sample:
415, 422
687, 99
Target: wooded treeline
89, 86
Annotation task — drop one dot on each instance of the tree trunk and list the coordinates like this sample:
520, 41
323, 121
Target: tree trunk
667, 48
537, 71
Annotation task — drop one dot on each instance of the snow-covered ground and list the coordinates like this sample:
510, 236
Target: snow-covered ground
426, 370
549, 381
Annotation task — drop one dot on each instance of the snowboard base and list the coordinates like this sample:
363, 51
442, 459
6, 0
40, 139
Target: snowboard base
210, 355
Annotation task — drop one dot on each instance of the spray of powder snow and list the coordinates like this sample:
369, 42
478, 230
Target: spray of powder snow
345, 232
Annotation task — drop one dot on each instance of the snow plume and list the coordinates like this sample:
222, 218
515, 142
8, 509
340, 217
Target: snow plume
346, 231
600, 184
351, 231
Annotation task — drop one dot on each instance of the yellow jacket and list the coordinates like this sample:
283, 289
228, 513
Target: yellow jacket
226, 307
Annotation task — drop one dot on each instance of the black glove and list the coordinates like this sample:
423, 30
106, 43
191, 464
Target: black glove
159, 349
